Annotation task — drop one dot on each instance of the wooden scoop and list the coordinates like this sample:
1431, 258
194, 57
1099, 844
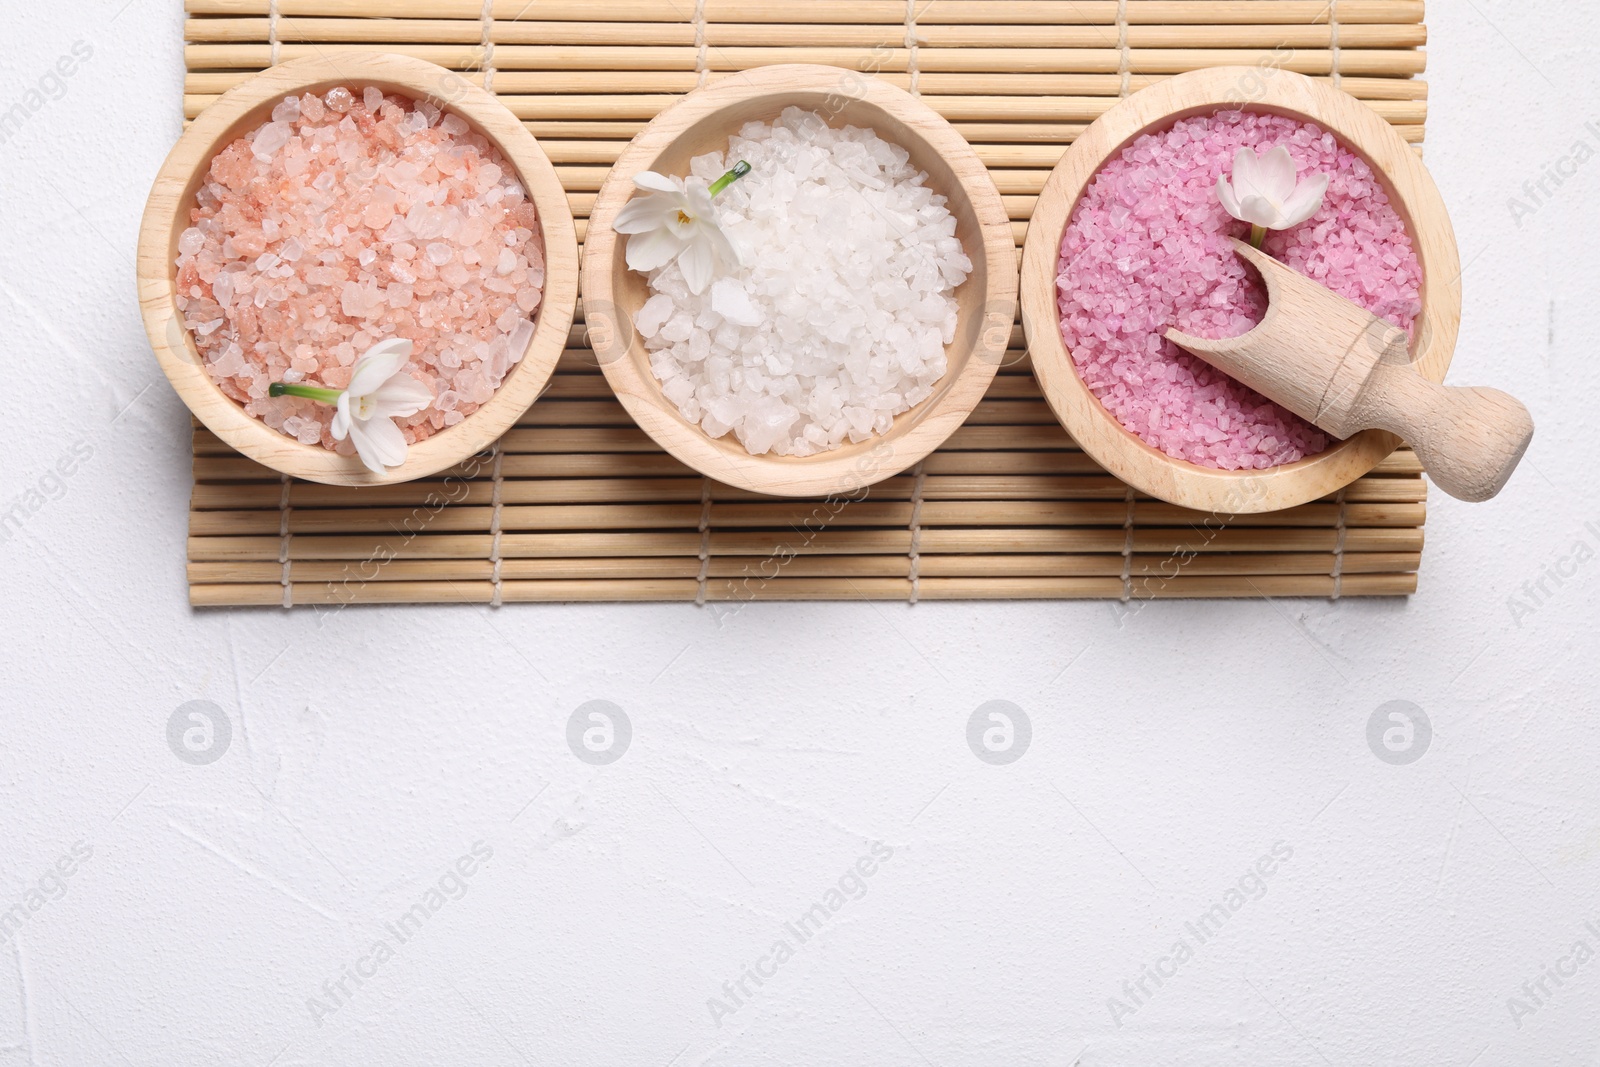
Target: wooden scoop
1344, 369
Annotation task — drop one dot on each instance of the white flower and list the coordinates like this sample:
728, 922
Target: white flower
675, 222
1264, 192
379, 392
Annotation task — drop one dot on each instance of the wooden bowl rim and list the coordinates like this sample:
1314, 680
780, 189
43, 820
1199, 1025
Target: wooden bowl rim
917, 432
174, 345
1411, 189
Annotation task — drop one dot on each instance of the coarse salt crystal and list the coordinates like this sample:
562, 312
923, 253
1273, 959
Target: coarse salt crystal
729, 299
282, 275
269, 139
1148, 248
653, 315
838, 320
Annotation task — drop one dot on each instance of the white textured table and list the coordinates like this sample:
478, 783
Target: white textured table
230, 912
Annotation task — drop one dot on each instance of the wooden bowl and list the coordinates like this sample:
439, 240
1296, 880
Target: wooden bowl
702, 122
1411, 191
246, 106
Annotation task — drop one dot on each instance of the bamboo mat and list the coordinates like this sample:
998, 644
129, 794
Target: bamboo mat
576, 503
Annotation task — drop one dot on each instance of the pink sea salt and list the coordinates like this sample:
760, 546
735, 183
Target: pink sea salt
346, 219
1147, 249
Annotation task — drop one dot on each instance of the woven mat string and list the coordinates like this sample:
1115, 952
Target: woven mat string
1333, 41
1124, 58
494, 526
1127, 550
705, 542
1338, 547
920, 476
700, 66
272, 29
486, 17
283, 544
911, 44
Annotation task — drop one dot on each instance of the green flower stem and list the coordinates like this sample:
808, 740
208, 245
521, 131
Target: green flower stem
740, 169
310, 392
1257, 235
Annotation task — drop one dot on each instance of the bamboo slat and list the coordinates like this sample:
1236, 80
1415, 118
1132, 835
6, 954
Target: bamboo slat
1020, 97
1398, 62
664, 48
828, 12
1008, 12
587, 508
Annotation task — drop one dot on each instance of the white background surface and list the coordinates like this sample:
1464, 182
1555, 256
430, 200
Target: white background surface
372, 748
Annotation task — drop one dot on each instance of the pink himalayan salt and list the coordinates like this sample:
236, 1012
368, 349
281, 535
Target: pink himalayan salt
303, 252
1147, 249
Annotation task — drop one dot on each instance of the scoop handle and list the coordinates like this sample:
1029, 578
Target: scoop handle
1468, 439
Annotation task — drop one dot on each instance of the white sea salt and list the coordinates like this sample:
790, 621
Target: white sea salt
838, 320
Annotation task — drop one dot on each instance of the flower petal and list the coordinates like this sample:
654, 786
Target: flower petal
365, 449
1275, 175
1246, 174
390, 439
400, 396
645, 213
1230, 203
657, 248
723, 250
375, 368
656, 183
700, 205
697, 263
341, 418
391, 344
379, 443
1305, 202
1259, 211
683, 221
